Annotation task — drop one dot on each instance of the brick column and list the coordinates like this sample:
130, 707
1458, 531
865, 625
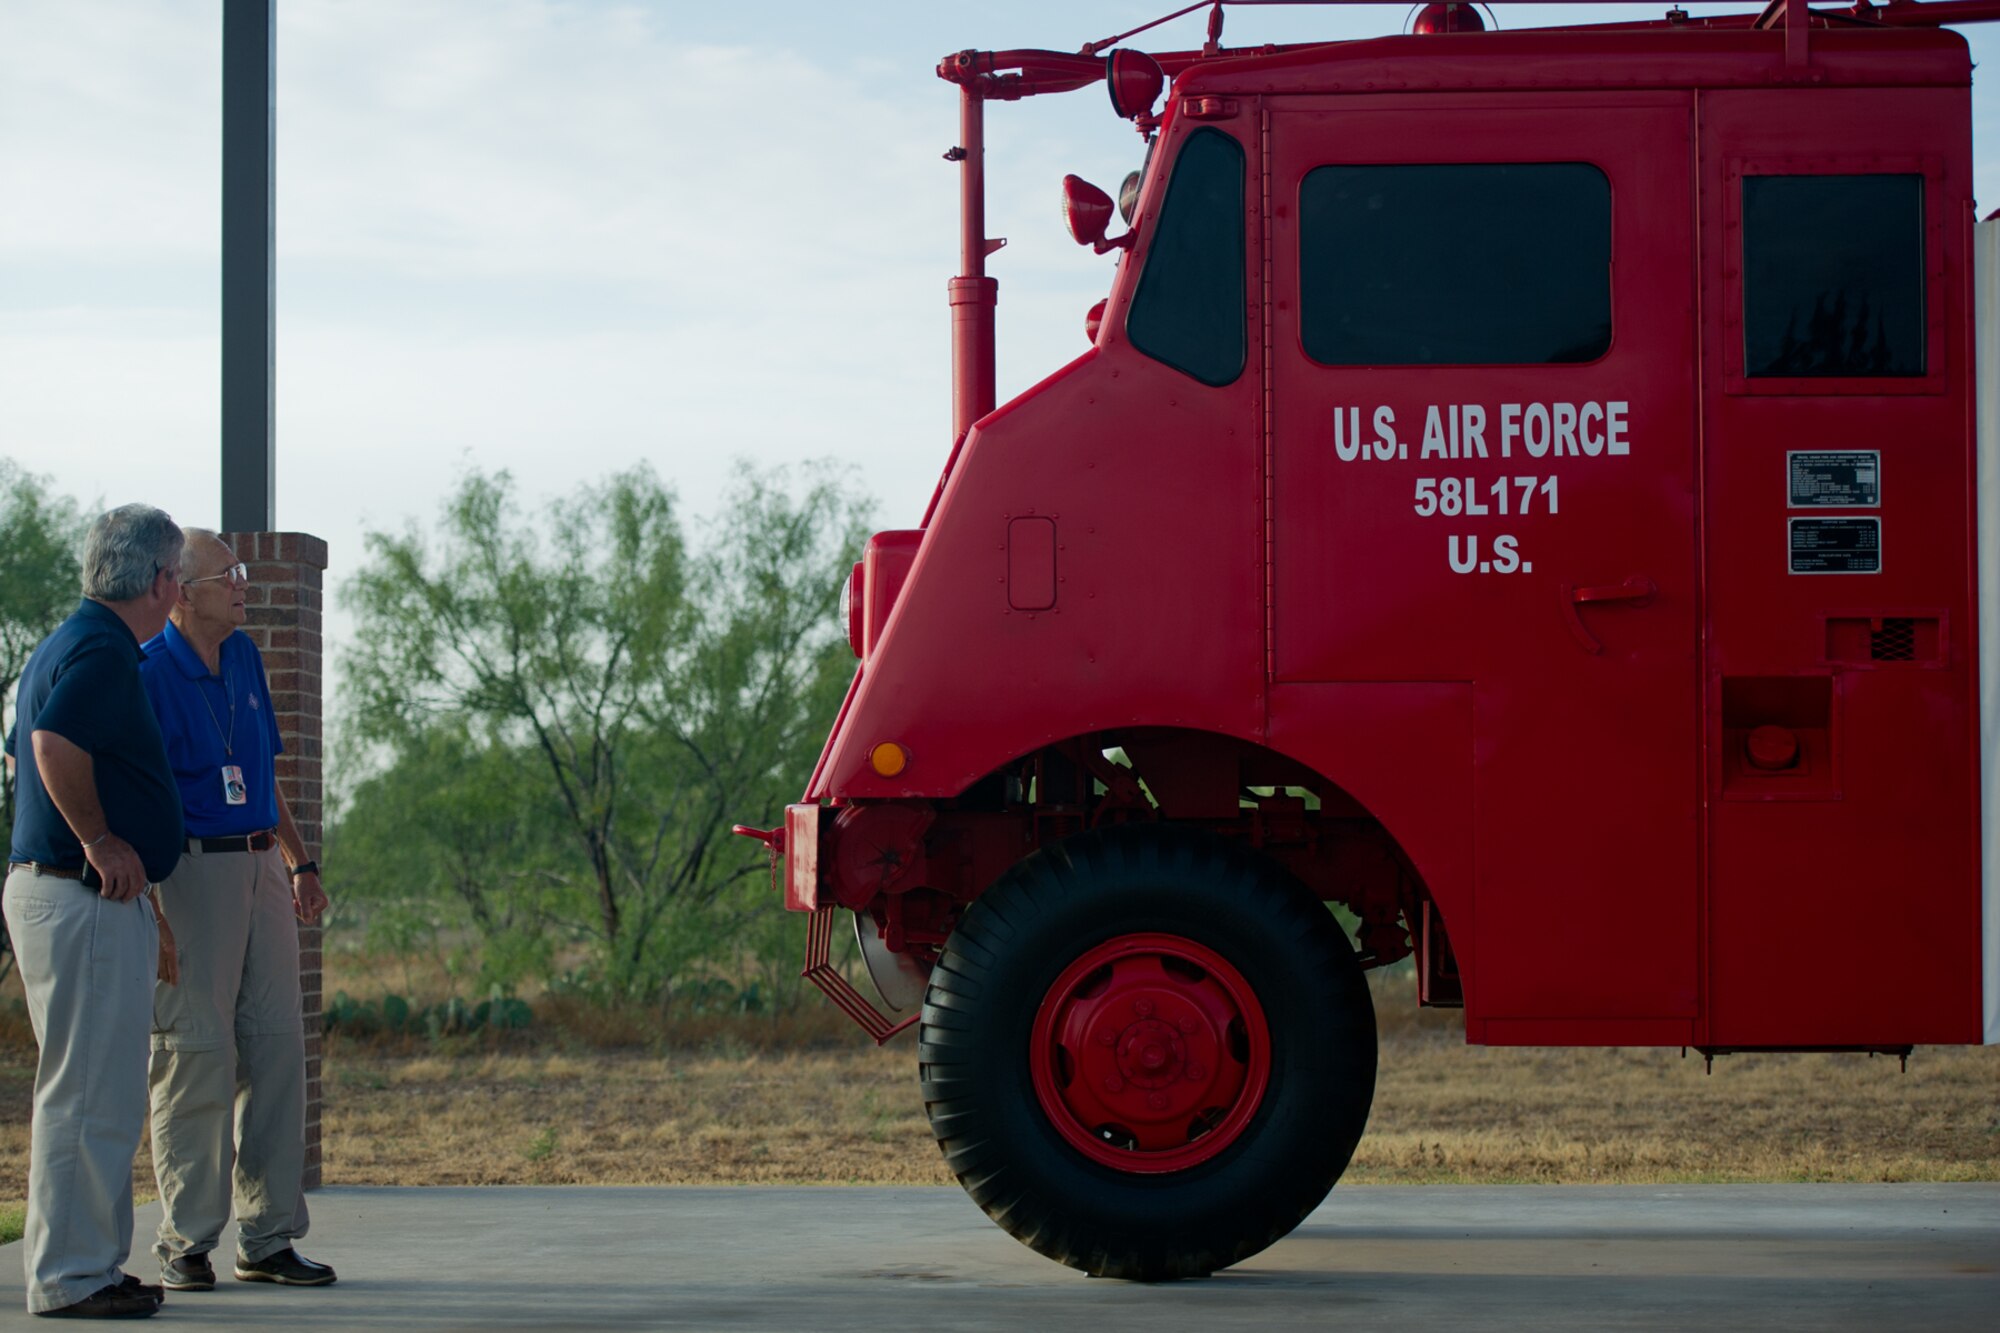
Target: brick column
284, 605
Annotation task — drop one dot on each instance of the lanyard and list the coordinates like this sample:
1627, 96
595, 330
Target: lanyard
229, 690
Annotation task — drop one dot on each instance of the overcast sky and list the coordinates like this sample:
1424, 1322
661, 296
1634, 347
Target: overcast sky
553, 237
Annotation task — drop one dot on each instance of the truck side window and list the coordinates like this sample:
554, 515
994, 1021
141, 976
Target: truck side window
1833, 275
1188, 311
1459, 264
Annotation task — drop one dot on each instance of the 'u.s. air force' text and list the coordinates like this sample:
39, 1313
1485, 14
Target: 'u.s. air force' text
1466, 432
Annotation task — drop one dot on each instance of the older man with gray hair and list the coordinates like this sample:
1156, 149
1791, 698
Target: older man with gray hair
97, 821
229, 1059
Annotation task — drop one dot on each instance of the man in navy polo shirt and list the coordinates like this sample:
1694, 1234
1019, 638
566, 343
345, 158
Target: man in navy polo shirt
97, 818
229, 1063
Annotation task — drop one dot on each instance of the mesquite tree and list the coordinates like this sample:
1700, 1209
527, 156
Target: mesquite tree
40, 536
564, 714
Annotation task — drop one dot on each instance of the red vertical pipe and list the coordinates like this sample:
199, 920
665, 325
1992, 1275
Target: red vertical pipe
973, 294
972, 182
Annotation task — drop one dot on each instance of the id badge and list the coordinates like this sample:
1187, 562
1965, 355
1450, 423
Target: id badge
233, 790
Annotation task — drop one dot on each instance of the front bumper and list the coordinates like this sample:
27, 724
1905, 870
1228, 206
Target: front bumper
799, 858
794, 848
794, 851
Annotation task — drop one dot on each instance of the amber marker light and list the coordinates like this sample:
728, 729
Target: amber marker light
888, 759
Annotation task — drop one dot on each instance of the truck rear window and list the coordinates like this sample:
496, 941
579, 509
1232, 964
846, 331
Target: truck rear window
1833, 275
1459, 264
1188, 311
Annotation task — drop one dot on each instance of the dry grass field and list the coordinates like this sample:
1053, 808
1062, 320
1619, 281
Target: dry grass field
589, 1098
807, 1102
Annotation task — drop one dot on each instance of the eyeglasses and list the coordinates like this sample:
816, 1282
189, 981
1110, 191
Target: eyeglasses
237, 574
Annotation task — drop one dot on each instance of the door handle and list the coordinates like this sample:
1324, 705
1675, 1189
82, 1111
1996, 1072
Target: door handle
1638, 590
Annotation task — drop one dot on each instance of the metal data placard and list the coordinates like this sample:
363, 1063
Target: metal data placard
1836, 545
1833, 478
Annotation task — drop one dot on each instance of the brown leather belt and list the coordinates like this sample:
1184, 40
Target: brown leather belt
247, 842
46, 872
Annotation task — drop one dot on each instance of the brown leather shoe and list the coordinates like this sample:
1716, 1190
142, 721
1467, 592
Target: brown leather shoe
115, 1301
153, 1289
287, 1268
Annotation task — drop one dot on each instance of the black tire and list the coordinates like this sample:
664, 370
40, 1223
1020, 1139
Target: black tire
979, 1019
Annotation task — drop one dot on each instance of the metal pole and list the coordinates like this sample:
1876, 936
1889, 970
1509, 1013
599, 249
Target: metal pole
972, 294
249, 443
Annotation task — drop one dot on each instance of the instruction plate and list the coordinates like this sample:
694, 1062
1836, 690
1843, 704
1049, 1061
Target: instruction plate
1834, 478
1836, 545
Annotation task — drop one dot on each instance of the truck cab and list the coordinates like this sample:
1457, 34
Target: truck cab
1523, 491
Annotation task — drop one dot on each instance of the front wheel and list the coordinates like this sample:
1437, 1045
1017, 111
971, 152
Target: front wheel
1147, 1053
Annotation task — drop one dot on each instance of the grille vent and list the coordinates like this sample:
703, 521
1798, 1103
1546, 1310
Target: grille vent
1896, 641
1886, 641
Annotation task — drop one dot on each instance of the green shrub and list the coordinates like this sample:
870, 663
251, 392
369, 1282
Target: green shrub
452, 1016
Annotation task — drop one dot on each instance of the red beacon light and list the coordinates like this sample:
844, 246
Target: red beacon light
1134, 80
1452, 17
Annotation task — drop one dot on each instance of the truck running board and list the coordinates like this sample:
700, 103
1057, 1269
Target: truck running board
1708, 1053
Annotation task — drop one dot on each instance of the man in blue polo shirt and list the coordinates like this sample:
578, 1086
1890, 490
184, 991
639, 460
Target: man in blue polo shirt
97, 819
229, 1062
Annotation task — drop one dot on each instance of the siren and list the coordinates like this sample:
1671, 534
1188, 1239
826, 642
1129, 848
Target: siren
1451, 17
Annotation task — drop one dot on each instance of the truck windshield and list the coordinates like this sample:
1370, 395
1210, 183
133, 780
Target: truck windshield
1188, 311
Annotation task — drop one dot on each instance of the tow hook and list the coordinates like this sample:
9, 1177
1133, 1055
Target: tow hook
772, 838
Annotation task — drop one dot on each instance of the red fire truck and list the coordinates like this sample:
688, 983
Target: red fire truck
1523, 488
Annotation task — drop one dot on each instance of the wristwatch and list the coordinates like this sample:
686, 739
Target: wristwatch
304, 868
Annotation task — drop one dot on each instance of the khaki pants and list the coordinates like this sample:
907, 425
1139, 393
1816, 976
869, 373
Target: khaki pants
229, 1061
87, 965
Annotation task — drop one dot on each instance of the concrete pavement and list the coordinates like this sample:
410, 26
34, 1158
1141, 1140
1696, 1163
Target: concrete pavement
1808, 1257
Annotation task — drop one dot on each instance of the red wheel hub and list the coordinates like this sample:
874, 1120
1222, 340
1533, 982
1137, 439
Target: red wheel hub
1150, 1053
